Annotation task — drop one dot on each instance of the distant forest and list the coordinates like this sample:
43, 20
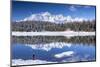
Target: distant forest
50, 26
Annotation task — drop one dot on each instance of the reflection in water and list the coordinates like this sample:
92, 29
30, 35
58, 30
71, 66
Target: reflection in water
49, 39
56, 54
52, 49
49, 46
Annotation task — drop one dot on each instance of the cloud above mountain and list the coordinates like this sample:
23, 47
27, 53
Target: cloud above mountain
72, 8
58, 18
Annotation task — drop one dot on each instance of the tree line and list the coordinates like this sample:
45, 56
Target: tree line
50, 26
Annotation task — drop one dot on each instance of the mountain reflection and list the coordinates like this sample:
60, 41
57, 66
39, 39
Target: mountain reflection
51, 39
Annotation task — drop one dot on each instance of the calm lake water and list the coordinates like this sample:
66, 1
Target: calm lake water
77, 52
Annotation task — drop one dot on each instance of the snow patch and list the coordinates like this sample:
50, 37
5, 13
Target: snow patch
64, 54
29, 62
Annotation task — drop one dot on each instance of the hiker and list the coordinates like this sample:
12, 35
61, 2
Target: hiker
33, 57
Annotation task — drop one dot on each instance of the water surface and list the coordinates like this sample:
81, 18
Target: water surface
81, 52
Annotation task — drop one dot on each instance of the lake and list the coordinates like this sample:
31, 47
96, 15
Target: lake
52, 47
22, 54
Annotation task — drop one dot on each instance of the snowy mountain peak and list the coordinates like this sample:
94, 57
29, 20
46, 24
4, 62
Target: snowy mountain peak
46, 16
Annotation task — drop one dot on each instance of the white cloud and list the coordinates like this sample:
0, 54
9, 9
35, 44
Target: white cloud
87, 6
29, 62
64, 54
49, 46
72, 8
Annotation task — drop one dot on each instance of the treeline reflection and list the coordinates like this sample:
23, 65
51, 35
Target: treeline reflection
51, 39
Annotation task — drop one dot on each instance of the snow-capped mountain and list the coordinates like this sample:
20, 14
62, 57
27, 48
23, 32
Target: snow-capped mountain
46, 16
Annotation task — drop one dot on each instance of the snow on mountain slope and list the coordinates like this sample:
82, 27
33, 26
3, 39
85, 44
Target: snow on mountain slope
46, 16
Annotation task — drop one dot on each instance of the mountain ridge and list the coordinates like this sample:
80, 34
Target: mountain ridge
48, 17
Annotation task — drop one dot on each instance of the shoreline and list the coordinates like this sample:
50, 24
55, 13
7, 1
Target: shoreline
57, 33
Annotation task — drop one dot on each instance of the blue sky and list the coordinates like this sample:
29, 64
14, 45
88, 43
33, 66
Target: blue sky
20, 10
